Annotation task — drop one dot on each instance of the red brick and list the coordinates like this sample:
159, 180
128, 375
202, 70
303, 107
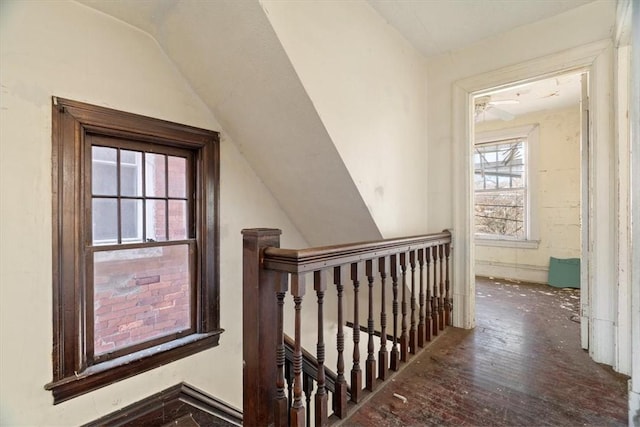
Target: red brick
130, 325
112, 300
160, 285
150, 300
163, 305
107, 332
135, 333
135, 310
109, 316
166, 324
116, 337
124, 305
102, 310
121, 320
173, 296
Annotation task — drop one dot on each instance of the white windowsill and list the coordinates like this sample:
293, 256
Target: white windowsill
506, 243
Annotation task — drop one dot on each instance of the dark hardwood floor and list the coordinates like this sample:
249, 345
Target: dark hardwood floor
521, 366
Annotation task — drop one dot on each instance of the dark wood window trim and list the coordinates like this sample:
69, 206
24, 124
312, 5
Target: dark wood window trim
71, 123
171, 405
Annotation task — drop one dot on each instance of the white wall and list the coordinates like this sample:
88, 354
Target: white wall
585, 24
368, 86
557, 178
68, 50
577, 38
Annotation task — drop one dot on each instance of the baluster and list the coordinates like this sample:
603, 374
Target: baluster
281, 403
442, 296
421, 334
297, 408
321, 410
449, 300
382, 354
404, 338
434, 297
413, 338
370, 366
288, 374
428, 319
356, 372
395, 355
340, 395
307, 385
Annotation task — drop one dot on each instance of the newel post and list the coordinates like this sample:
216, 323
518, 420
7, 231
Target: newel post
259, 327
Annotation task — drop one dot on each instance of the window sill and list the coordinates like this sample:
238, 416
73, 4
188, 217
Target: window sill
505, 243
103, 374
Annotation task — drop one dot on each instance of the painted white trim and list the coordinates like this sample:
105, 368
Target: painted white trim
504, 243
623, 205
506, 270
595, 58
532, 154
634, 125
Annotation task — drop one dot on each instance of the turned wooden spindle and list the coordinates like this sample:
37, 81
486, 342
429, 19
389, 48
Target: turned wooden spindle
442, 295
356, 372
297, 412
340, 395
434, 298
321, 409
281, 403
307, 387
404, 337
395, 354
370, 365
448, 300
383, 358
413, 337
428, 320
421, 332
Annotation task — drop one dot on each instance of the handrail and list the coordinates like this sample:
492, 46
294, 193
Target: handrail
309, 361
409, 275
305, 260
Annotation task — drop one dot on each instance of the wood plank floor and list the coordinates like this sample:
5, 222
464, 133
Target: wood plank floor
521, 366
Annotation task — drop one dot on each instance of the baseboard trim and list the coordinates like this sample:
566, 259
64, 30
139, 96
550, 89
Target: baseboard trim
171, 404
503, 270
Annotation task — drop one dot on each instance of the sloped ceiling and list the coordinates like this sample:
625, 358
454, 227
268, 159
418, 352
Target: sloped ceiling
232, 58
230, 55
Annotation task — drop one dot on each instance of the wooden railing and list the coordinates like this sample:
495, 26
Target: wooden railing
415, 270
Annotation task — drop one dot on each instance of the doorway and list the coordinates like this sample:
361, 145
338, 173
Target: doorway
526, 145
598, 231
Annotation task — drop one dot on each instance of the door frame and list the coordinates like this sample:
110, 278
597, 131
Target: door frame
598, 263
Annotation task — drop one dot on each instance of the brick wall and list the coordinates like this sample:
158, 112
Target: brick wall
140, 294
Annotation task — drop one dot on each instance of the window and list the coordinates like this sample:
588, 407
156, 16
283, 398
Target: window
504, 200
135, 245
500, 199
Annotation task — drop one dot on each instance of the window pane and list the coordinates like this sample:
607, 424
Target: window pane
490, 179
130, 173
177, 176
177, 219
156, 220
104, 218
518, 176
139, 295
478, 180
504, 178
131, 217
103, 171
500, 214
155, 175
